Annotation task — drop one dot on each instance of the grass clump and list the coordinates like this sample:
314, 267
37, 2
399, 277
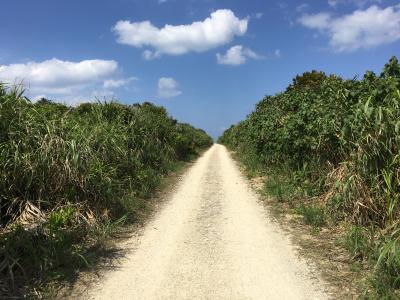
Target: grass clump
69, 175
279, 189
330, 147
357, 241
313, 215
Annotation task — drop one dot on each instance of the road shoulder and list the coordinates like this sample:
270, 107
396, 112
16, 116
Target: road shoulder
319, 246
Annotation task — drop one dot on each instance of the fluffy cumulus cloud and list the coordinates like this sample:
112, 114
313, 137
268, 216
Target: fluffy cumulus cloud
218, 29
168, 88
237, 55
65, 80
366, 28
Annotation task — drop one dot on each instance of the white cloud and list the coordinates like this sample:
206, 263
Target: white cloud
117, 83
333, 3
168, 88
361, 29
237, 55
64, 80
302, 7
150, 55
316, 21
277, 53
359, 3
57, 73
217, 30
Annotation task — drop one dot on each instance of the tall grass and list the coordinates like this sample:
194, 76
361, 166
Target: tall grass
334, 144
67, 174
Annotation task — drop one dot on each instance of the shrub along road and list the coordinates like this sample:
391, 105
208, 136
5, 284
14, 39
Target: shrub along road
212, 240
71, 176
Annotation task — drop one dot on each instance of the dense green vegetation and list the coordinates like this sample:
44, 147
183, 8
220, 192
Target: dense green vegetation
330, 147
70, 175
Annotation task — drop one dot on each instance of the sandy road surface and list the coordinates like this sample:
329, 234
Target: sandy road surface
212, 240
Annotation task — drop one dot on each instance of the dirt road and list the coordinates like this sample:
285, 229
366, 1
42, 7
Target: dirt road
212, 240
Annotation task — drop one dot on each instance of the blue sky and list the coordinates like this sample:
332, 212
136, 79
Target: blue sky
207, 61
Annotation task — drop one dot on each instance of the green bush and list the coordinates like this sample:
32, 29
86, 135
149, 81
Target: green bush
338, 142
66, 171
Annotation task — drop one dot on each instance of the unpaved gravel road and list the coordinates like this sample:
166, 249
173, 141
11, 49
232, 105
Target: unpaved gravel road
212, 240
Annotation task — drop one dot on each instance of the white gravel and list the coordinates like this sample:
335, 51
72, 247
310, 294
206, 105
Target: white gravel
212, 240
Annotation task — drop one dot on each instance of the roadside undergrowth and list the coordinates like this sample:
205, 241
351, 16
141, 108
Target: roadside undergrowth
329, 149
72, 176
